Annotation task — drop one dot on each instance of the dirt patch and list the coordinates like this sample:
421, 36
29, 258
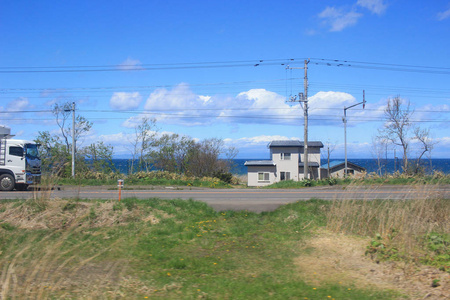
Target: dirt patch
334, 258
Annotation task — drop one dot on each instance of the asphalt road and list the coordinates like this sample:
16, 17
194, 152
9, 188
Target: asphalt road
256, 200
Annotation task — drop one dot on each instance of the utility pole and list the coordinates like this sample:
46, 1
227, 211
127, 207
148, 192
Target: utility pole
344, 119
73, 139
305, 112
303, 100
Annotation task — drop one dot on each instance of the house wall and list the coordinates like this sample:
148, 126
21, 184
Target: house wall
253, 175
338, 171
313, 155
283, 165
313, 173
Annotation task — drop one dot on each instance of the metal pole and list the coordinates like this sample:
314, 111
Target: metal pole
73, 140
305, 152
344, 119
345, 141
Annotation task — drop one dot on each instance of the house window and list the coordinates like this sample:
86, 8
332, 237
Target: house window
263, 176
285, 156
285, 175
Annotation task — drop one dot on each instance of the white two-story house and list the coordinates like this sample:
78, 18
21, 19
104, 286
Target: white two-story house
286, 163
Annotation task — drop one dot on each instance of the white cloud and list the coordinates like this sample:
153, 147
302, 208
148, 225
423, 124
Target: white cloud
130, 65
323, 103
443, 15
375, 6
134, 121
180, 97
338, 19
181, 106
124, 101
18, 104
258, 140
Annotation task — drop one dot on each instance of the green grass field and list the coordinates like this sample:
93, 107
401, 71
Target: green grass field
140, 249
176, 249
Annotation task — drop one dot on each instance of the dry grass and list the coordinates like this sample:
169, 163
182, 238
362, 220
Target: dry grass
43, 265
331, 258
399, 224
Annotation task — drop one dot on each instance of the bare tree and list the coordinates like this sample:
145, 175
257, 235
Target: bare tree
62, 113
397, 126
330, 148
427, 144
379, 151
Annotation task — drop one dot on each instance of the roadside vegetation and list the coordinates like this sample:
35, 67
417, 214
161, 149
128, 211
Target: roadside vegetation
177, 249
151, 178
368, 179
151, 248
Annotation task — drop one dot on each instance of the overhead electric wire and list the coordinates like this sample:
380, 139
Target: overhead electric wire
312, 108
146, 67
228, 64
335, 119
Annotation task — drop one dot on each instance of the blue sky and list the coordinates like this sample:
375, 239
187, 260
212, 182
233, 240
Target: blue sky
218, 68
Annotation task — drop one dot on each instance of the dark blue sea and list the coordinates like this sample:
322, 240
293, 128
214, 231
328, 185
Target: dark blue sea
387, 166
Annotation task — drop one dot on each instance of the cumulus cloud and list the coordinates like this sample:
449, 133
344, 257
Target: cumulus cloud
18, 104
257, 140
130, 65
13, 109
443, 15
338, 19
124, 101
182, 106
375, 6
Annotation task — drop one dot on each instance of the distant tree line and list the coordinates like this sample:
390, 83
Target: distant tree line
179, 153
149, 150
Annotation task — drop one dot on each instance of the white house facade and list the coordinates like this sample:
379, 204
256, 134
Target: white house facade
286, 163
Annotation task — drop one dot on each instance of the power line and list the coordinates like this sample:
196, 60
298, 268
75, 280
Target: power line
227, 64
146, 67
205, 109
268, 117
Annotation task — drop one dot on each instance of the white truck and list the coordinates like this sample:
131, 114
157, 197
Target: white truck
20, 165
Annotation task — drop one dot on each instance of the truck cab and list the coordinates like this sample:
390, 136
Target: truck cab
20, 165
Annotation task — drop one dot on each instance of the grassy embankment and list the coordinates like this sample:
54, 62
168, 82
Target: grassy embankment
183, 249
162, 178
369, 179
153, 178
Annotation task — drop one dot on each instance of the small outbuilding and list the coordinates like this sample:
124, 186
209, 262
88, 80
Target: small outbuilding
337, 168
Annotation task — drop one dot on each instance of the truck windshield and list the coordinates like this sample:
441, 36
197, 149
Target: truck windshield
31, 151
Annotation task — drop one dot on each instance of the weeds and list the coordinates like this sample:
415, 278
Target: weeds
162, 249
163, 178
411, 230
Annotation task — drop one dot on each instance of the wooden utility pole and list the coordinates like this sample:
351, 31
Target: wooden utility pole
303, 100
305, 112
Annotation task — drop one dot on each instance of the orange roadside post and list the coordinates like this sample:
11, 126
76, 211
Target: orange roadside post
120, 185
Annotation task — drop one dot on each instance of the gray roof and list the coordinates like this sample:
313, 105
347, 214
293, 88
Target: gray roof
294, 143
259, 163
337, 163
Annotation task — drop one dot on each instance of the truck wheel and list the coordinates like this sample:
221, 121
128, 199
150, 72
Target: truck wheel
6, 182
